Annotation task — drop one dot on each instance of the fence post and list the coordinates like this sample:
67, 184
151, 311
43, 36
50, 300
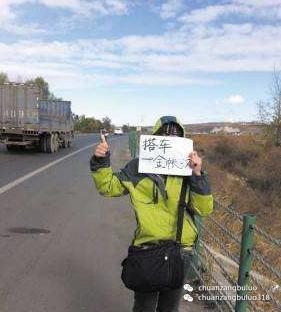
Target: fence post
198, 247
130, 143
245, 264
134, 144
133, 141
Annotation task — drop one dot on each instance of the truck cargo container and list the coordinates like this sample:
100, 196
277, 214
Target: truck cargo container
28, 120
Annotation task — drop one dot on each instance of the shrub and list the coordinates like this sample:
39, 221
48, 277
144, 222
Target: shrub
231, 155
265, 174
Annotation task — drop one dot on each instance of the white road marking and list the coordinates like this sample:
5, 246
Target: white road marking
20, 180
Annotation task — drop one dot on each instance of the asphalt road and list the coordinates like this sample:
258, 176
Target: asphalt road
61, 243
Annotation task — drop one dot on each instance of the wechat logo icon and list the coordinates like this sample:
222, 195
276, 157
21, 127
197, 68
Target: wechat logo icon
188, 288
188, 298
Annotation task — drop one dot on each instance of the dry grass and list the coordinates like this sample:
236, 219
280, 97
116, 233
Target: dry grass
245, 171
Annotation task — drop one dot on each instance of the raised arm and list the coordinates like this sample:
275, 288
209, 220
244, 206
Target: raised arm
107, 182
201, 199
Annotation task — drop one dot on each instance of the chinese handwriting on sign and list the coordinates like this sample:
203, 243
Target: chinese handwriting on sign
151, 145
162, 162
165, 155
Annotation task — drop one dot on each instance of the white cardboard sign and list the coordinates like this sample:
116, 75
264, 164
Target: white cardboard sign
165, 155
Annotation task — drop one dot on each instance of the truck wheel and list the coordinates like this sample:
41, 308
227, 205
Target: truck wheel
10, 148
43, 144
64, 143
56, 142
50, 144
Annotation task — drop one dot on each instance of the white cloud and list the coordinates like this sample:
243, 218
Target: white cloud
259, 3
251, 8
70, 4
67, 76
118, 6
10, 23
153, 79
170, 8
205, 15
103, 7
102, 58
23, 30
8, 19
166, 42
6, 12
234, 99
178, 57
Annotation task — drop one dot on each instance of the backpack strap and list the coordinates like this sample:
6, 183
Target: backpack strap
181, 207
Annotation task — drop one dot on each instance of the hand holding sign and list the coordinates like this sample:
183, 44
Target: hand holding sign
195, 162
102, 147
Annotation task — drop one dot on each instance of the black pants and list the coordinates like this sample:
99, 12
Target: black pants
164, 301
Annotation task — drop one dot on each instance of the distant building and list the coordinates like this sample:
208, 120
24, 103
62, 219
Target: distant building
226, 130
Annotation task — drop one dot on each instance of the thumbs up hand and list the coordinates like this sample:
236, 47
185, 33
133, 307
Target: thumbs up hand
102, 148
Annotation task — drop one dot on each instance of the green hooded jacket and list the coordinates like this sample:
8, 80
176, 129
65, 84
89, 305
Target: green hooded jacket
155, 197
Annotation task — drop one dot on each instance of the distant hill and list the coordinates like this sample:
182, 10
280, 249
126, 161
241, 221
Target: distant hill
244, 127
252, 127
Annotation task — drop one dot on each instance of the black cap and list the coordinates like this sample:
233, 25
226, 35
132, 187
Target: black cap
170, 128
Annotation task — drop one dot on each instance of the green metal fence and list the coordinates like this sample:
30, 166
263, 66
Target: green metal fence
251, 291
256, 291
134, 143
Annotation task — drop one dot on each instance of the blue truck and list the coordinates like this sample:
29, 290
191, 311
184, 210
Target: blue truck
27, 119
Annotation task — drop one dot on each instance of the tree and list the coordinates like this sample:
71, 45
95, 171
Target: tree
42, 85
87, 124
106, 123
270, 111
52, 97
125, 128
3, 78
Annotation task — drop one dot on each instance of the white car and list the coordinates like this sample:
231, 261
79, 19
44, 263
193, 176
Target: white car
118, 131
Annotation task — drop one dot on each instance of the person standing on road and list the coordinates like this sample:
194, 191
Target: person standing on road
155, 201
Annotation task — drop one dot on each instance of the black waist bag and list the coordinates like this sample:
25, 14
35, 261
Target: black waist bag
159, 266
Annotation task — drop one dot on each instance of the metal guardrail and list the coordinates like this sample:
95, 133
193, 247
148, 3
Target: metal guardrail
248, 253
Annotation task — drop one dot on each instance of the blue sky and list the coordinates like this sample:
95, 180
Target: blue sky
134, 60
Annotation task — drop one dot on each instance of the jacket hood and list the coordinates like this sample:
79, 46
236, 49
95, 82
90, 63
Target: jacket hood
164, 120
